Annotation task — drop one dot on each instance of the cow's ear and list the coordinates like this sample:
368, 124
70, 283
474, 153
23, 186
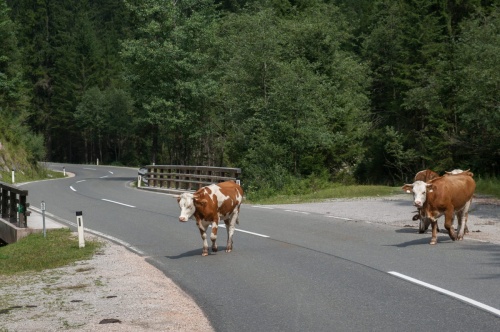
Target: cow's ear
430, 187
178, 197
200, 202
407, 188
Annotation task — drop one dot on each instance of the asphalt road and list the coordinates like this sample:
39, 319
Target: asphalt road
292, 270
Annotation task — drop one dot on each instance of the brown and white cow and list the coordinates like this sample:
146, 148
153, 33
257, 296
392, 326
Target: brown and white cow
209, 205
424, 175
448, 195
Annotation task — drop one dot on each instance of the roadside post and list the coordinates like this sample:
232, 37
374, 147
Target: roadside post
64, 171
79, 221
43, 219
13, 175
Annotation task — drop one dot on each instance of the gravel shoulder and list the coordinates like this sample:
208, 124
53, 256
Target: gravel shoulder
116, 290
398, 210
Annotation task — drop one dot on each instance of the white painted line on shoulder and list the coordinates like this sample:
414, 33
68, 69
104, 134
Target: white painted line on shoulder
106, 236
81, 181
263, 207
92, 169
447, 292
102, 177
108, 200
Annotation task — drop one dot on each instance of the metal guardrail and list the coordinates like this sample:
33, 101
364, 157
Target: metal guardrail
182, 178
12, 202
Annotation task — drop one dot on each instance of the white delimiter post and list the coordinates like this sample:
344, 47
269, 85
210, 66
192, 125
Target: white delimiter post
79, 221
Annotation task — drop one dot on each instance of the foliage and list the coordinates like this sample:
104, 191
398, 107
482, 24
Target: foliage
367, 91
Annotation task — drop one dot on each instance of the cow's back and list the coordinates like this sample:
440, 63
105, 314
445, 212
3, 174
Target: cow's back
457, 190
230, 188
222, 198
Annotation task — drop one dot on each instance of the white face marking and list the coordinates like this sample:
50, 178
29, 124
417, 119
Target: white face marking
419, 193
186, 204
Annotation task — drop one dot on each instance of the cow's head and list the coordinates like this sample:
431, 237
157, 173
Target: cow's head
419, 190
189, 203
186, 203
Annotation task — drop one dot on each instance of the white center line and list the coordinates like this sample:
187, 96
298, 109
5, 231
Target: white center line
446, 292
297, 211
338, 218
107, 200
71, 187
240, 230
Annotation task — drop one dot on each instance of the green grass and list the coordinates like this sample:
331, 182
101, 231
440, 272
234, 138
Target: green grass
484, 186
331, 191
30, 175
36, 253
488, 186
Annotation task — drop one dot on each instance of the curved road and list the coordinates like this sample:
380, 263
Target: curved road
291, 270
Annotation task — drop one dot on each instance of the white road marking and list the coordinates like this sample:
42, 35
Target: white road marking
240, 230
446, 292
108, 200
342, 218
71, 187
263, 207
102, 177
297, 211
92, 169
81, 181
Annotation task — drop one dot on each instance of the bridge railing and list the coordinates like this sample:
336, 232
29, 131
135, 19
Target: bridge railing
12, 202
182, 178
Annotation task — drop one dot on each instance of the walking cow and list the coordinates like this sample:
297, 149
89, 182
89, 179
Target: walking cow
425, 176
209, 205
448, 195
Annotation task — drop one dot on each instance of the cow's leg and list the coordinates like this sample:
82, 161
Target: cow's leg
466, 230
462, 216
203, 233
230, 225
434, 230
213, 236
448, 223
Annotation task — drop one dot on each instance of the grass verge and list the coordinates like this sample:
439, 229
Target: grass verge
332, 191
36, 253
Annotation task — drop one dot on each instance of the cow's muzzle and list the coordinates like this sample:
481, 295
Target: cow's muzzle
183, 219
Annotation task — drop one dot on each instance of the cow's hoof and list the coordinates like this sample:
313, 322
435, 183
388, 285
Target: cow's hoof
433, 241
228, 250
214, 249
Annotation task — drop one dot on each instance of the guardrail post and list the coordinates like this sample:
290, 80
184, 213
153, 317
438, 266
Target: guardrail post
79, 221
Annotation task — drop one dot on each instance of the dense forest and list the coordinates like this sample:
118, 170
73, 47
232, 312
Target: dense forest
366, 91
